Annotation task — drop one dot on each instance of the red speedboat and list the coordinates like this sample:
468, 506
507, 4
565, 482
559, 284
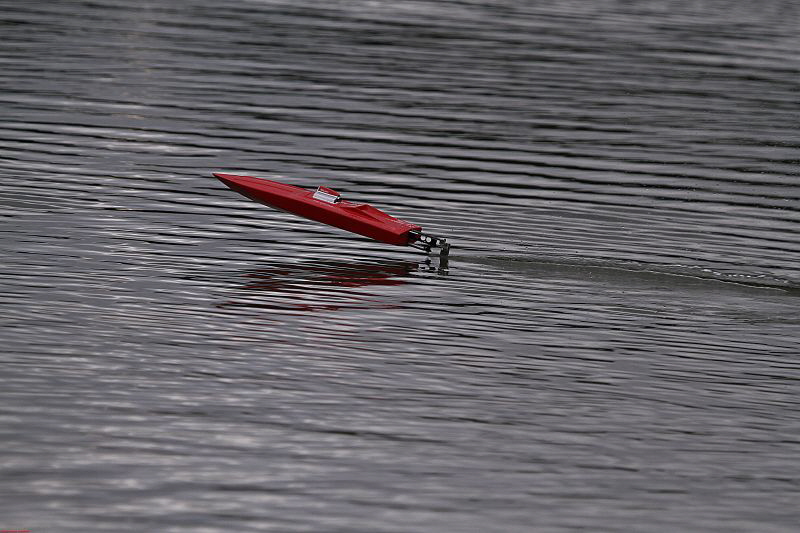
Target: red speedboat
326, 205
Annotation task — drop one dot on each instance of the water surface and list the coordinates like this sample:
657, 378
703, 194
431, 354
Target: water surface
614, 347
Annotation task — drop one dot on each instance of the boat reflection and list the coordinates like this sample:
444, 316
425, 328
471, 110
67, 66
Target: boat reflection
322, 285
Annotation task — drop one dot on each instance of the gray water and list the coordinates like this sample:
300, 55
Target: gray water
614, 347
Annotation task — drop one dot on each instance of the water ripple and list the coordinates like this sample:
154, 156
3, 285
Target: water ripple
613, 348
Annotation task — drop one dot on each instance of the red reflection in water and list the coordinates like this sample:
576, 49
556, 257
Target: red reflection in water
320, 286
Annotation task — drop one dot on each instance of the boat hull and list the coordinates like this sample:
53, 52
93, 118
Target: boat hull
359, 218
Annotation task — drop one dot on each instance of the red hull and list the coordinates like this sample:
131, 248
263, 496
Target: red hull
351, 216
